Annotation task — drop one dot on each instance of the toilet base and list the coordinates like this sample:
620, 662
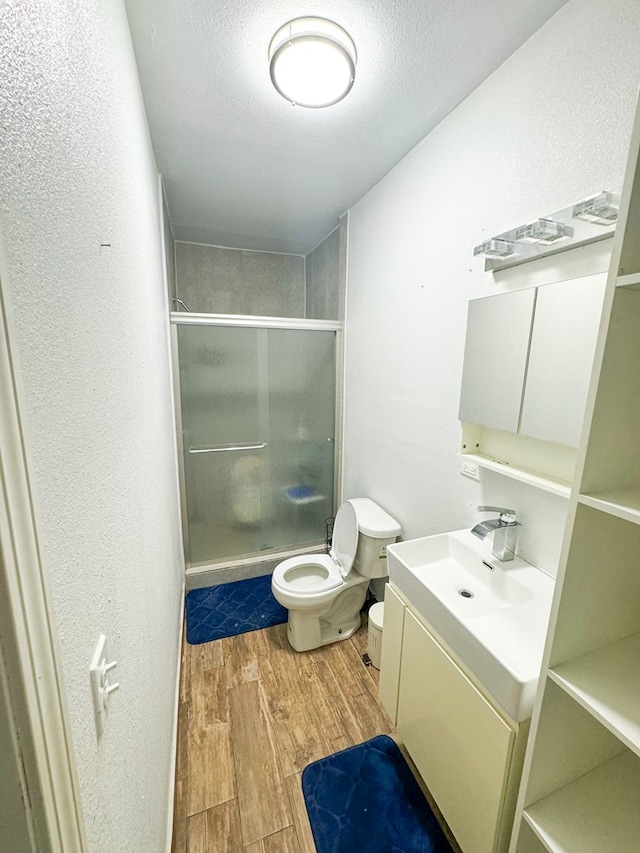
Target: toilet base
307, 633
308, 630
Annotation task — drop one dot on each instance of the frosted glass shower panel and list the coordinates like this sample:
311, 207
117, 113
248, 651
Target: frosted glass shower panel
219, 385
302, 418
222, 436
258, 413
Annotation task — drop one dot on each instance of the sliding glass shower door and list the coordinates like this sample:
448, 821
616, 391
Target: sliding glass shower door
258, 422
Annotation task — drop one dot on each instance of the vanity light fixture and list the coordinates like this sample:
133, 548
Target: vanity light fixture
495, 249
543, 231
312, 62
601, 209
593, 218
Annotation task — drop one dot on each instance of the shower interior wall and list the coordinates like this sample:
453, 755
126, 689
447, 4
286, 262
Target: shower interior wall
218, 280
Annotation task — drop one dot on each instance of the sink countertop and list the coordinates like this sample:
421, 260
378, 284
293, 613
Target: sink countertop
499, 633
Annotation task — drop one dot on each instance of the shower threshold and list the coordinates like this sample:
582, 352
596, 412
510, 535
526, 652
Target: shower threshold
245, 566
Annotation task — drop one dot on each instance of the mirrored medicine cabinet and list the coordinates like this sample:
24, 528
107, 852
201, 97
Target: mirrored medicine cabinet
527, 363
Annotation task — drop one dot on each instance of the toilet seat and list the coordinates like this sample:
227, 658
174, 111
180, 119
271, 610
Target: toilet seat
307, 574
314, 580
323, 592
344, 542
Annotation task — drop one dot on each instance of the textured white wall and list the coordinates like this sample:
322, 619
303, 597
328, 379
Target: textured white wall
550, 126
77, 170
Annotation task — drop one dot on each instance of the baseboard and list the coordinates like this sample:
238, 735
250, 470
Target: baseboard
174, 739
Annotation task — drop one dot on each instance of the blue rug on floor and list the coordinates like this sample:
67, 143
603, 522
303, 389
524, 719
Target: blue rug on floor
232, 608
366, 798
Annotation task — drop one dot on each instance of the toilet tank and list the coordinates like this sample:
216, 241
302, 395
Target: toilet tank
376, 530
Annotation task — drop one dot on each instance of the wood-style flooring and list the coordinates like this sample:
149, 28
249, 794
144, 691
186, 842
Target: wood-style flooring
253, 713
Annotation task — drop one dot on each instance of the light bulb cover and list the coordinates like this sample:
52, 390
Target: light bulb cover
495, 248
312, 62
543, 231
601, 209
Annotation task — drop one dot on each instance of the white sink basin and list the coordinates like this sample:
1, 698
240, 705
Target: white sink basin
492, 615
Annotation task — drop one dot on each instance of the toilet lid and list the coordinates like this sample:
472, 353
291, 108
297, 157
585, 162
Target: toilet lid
345, 538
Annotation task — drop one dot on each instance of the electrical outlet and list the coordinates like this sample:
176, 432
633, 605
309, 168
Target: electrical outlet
470, 469
101, 685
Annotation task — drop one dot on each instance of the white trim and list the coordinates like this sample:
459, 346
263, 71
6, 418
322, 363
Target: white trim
169, 340
306, 285
177, 412
345, 216
34, 647
192, 319
172, 365
164, 205
174, 739
21, 821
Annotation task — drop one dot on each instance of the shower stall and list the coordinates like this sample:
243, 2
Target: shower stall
256, 411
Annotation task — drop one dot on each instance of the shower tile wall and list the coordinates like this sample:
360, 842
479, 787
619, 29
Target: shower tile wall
213, 280
325, 296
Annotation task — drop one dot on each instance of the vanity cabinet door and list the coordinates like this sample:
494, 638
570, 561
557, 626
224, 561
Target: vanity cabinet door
563, 343
391, 652
495, 359
460, 745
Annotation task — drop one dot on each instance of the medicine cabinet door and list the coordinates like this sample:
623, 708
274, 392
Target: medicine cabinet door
495, 359
563, 343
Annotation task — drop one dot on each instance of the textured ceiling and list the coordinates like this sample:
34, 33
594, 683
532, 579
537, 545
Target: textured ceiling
244, 168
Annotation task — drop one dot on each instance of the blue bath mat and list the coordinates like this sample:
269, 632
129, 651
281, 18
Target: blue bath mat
232, 608
366, 798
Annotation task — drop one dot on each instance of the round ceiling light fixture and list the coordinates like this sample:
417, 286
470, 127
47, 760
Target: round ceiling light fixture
312, 62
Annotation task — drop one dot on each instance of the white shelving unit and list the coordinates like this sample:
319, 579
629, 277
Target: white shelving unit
623, 502
547, 466
606, 683
581, 816
632, 280
548, 483
580, 790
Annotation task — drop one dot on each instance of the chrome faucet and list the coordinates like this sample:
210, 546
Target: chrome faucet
504, 529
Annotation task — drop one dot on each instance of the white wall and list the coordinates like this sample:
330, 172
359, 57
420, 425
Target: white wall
77, 170
551, 126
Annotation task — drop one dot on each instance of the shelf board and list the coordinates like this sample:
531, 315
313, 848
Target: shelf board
597, 812
632, 280
606, 682
623, 502
524, 475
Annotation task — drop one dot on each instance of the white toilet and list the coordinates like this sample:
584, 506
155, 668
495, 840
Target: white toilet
325, 592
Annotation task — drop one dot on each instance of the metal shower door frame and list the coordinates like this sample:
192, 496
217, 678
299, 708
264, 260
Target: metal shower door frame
178, 318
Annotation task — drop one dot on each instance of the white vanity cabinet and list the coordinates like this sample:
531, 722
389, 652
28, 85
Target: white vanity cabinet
466, 749
394, 610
